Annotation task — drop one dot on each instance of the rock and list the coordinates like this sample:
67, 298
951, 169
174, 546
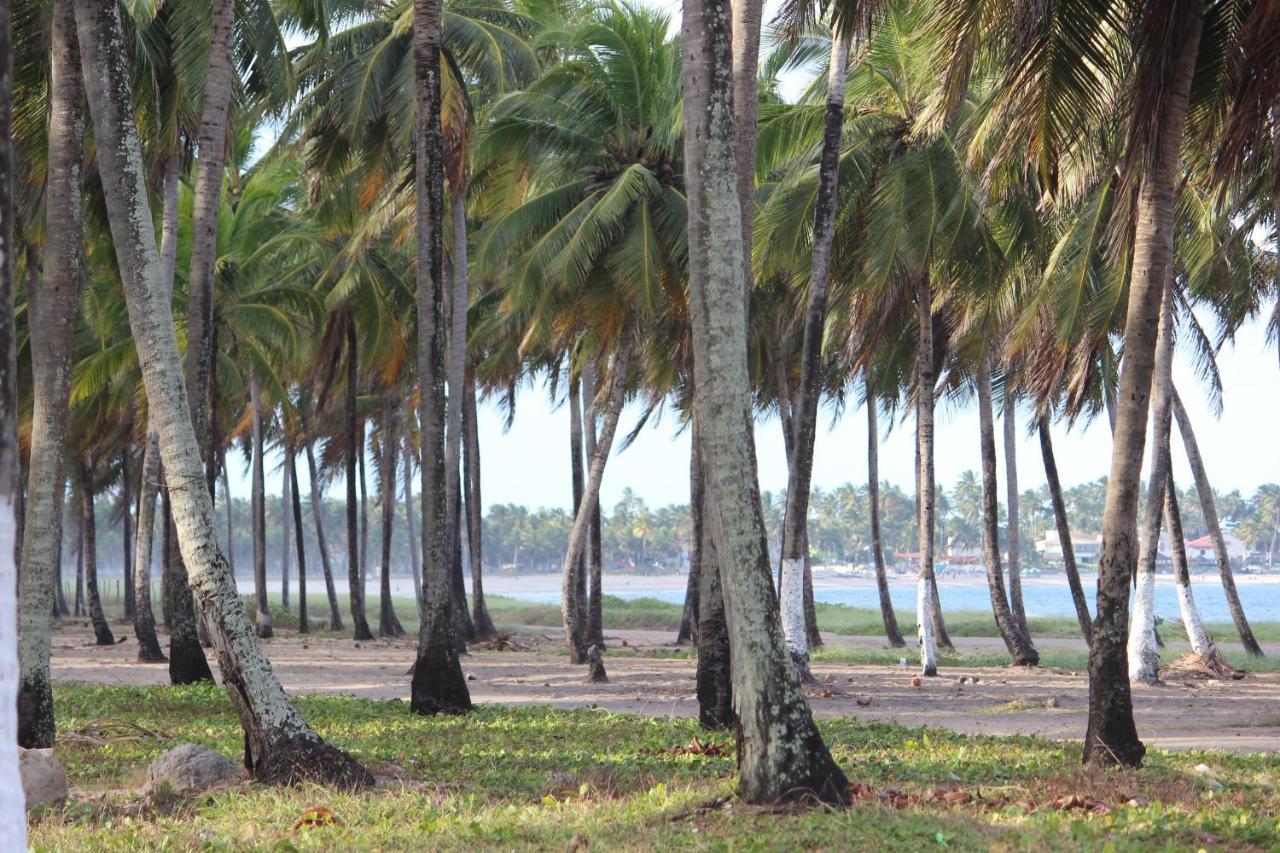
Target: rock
44, 779
1203, 768
189, 769
1051, 702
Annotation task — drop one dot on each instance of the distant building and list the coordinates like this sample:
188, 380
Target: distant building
1084, 545
1201, 550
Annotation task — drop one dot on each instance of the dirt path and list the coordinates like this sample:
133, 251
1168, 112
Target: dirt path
1241, 716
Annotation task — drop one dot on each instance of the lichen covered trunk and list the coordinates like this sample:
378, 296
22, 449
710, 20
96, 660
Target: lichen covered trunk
591, 584
278, 745
258, 501
781, 755
572, 579
456, 369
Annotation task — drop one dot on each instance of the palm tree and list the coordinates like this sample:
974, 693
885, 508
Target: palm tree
887, 615
279, 747
780, 753
52, 310
1064, 529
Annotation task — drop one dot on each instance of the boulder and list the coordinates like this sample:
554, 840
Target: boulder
44, 779
189, 769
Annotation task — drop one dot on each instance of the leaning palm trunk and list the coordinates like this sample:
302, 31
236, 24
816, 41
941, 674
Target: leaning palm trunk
1014, 539
52, 308
13, 818
689, 616
1200, 642
438, 682
781, 755
1209, 510
317, 516
572, 581
228, 506
258, 501
795, 540
1064, 530
89, 551
295, 499
279, 747
219, 83
126, 524
1144, 654
926, 591
388, 624
1016, 640
591, 582
355, 449
144, 620
1111, 736
590, 498
890, 619
187, 661
485, 629
286, 538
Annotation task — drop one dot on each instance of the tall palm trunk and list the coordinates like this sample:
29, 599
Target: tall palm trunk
278, 745
689, 616
364, 514
1016, 640
295, 499
805, 417
258, 499
79, 608
228, 506
388, 624
144, 620
925, 496
55, 306
1200, 642
1064, 530
415, 563
286, 538
355, 449
485, 628
572, 581
591, 583
890, 619
317, 516
1111, 736
1209, 510
187, 661
13, 818
438, 683
89, 550
1011, 487
456, 368
781, 755
126, 531
574, 634
219, 82
714, 678
1144, 653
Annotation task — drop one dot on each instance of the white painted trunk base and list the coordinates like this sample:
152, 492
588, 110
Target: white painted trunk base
1144, 654
792, 602
13, 813
924, 627
1200, 643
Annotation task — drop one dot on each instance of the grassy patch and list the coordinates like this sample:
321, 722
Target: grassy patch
517, 778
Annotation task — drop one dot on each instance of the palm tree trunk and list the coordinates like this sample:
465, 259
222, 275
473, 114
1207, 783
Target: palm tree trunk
1200, 642
388, 624
57, 305
1015, 639
79, 608
926, 592
781, 755
278, 745
317, 516
591, 582
1064, 530
13, 818
219, 82
805, 419
714, 677
355, 449
1144, 654
1014, 537
126, 531
228, 506
574, 634
291, 471
144, 620
484, 626
571, 581
259, 510
456, 367
1209, 510
286, 538
89, 549
690, 616
1111, 736
415, 564
364, 514
438, 682
890, 619
187, 661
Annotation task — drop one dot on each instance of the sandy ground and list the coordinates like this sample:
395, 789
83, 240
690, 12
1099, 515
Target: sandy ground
1241, 716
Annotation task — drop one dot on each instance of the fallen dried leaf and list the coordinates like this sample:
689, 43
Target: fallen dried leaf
316, 816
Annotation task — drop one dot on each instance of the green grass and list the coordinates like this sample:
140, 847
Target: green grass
534, 778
